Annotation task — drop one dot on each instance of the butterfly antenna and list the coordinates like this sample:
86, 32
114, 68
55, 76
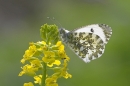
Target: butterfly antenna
54, 20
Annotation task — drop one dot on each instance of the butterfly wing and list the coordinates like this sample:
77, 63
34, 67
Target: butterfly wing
102, 30
87, 46
87, 42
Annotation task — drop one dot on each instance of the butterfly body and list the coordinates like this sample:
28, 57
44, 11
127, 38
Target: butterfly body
87, 42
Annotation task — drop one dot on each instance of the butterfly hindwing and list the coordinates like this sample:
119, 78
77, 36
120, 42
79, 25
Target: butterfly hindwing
87, 46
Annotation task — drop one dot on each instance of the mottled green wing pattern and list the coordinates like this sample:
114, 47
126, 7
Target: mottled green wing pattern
87, 42
87, 46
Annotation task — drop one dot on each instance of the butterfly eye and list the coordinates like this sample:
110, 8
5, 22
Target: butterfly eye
92, 30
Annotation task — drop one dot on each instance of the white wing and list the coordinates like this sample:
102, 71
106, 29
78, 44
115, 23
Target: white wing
102, 30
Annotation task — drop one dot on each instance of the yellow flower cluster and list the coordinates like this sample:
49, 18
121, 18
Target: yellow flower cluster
28, 84
47, 56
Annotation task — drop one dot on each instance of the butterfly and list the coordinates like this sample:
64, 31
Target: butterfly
87, 42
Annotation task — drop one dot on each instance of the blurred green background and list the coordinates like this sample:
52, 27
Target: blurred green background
20, 21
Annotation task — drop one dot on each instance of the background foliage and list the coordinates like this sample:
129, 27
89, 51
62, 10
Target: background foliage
20, 22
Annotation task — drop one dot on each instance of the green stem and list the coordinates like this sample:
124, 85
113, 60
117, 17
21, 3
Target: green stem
44, 75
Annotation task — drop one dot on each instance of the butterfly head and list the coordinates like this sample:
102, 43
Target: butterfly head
63, 34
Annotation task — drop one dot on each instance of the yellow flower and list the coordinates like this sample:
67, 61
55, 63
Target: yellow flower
49, 57
61, 47
63, 55
36, 63
59, 43
63, 71
29, 53
52, 84
28, 84
29, 70
67, 75
51, 81
57, 62
23, 61
61, 51
38, 79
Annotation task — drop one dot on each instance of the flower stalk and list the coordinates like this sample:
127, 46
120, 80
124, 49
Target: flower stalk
44, 75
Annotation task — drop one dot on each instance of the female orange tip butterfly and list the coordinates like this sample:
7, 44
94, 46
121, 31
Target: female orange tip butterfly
87, 42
